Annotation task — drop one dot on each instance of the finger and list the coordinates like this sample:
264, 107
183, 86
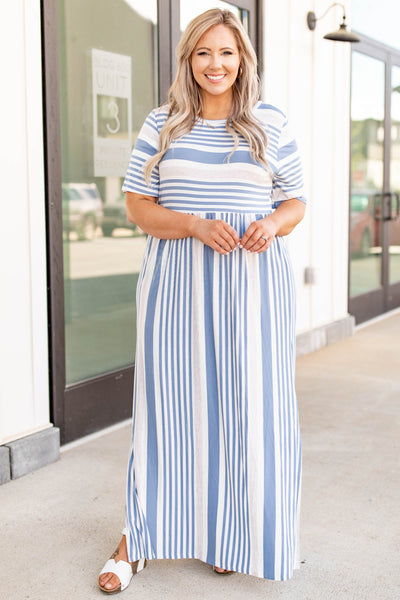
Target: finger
234, 235
224, 241
255, 239
227, 232
216, 245
267, 244
229, 239
256, 246
247, 235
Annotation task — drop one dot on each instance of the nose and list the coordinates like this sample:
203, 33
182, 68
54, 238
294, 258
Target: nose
215, 61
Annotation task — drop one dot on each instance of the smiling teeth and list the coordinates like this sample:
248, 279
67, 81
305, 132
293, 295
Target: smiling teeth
215, 77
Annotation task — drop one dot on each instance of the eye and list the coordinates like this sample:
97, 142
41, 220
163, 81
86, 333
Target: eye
229, 52
202, 53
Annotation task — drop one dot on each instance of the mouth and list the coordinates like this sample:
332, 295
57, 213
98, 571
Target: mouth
215, 78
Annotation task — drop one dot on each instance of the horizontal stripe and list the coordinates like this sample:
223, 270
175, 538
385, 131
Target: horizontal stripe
196, 159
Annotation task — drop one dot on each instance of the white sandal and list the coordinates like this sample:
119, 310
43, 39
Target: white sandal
122, 569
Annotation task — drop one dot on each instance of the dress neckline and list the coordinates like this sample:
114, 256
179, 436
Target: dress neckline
212, 122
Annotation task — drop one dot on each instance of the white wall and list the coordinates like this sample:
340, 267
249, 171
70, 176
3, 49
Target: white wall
309, 79
24, 395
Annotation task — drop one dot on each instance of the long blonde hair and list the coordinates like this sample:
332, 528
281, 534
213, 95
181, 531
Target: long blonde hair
184, 96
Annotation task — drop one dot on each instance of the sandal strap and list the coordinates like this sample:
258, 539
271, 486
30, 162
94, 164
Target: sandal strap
121, 569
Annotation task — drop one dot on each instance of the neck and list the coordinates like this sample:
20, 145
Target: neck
216, 108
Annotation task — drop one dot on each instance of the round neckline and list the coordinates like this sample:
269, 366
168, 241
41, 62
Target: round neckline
257, 104
212, 122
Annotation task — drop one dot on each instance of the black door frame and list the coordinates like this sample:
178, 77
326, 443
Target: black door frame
85, 407
387, 297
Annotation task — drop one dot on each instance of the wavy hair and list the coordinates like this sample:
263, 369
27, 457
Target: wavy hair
184, 96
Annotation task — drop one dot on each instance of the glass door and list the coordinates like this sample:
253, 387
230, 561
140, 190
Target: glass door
374, 248
101, 76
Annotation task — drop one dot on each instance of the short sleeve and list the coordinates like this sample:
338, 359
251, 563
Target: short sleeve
145, 147
288, 176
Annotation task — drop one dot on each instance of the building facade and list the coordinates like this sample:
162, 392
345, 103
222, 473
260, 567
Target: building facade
79, 79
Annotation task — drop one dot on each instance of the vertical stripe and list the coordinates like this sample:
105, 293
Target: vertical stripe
256, 450
153, 434
212, 406
199, 325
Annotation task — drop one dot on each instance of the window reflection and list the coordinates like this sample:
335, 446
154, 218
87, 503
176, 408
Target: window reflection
190, 10
394, 225
108, 81
367, 139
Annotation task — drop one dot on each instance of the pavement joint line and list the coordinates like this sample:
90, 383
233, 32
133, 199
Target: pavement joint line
95, 435
382, 317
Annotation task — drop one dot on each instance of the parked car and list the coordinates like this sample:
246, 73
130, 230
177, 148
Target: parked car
394, 235
82, 209
364, 227
366, 219
114, 216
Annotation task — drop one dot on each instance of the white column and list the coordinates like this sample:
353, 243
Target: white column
309, 79
24, 388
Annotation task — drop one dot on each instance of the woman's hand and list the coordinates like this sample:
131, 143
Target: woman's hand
259, 236
217, 234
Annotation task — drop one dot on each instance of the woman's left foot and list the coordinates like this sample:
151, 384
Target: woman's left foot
222, 571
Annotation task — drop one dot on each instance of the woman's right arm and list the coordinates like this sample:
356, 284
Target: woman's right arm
163, 223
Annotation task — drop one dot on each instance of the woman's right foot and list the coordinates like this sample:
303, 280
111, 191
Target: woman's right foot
110, 581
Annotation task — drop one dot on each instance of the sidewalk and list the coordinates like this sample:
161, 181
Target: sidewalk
61, 523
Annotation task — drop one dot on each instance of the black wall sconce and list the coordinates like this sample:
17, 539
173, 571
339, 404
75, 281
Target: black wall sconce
341, 35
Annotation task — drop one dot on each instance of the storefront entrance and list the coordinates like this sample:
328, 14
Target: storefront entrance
107, 63
374, 257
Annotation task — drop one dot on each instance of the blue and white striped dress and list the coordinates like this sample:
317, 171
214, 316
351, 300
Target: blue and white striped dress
215, 463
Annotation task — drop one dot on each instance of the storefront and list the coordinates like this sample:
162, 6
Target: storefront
85, 75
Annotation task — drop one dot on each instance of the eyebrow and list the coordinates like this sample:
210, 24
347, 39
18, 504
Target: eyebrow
205, 48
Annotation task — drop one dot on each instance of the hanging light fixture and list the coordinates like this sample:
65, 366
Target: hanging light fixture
341, 35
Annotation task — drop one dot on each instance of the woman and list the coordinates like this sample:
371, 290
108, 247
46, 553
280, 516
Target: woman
215, 180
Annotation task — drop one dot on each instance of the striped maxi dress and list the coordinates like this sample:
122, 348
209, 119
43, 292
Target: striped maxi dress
214, 471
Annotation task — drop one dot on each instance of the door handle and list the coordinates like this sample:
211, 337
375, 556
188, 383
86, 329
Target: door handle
388, 214
396, 212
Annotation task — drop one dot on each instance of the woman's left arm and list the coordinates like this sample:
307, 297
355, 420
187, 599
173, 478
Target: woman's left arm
260, 234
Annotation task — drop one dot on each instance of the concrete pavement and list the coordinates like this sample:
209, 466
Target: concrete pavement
60, 523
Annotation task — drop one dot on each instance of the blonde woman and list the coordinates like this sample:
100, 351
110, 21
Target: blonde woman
215, 180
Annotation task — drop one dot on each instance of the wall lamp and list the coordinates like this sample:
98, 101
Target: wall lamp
341, 35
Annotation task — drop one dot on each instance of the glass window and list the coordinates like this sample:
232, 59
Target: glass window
394, 224
190, 10
367, 139
378, 19
108, 82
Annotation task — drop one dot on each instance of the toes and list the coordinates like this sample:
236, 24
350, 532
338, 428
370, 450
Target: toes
109, 581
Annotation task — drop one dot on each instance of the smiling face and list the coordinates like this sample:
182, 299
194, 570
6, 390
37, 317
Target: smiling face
215, 63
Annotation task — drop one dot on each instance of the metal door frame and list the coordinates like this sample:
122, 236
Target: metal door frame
378, 301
